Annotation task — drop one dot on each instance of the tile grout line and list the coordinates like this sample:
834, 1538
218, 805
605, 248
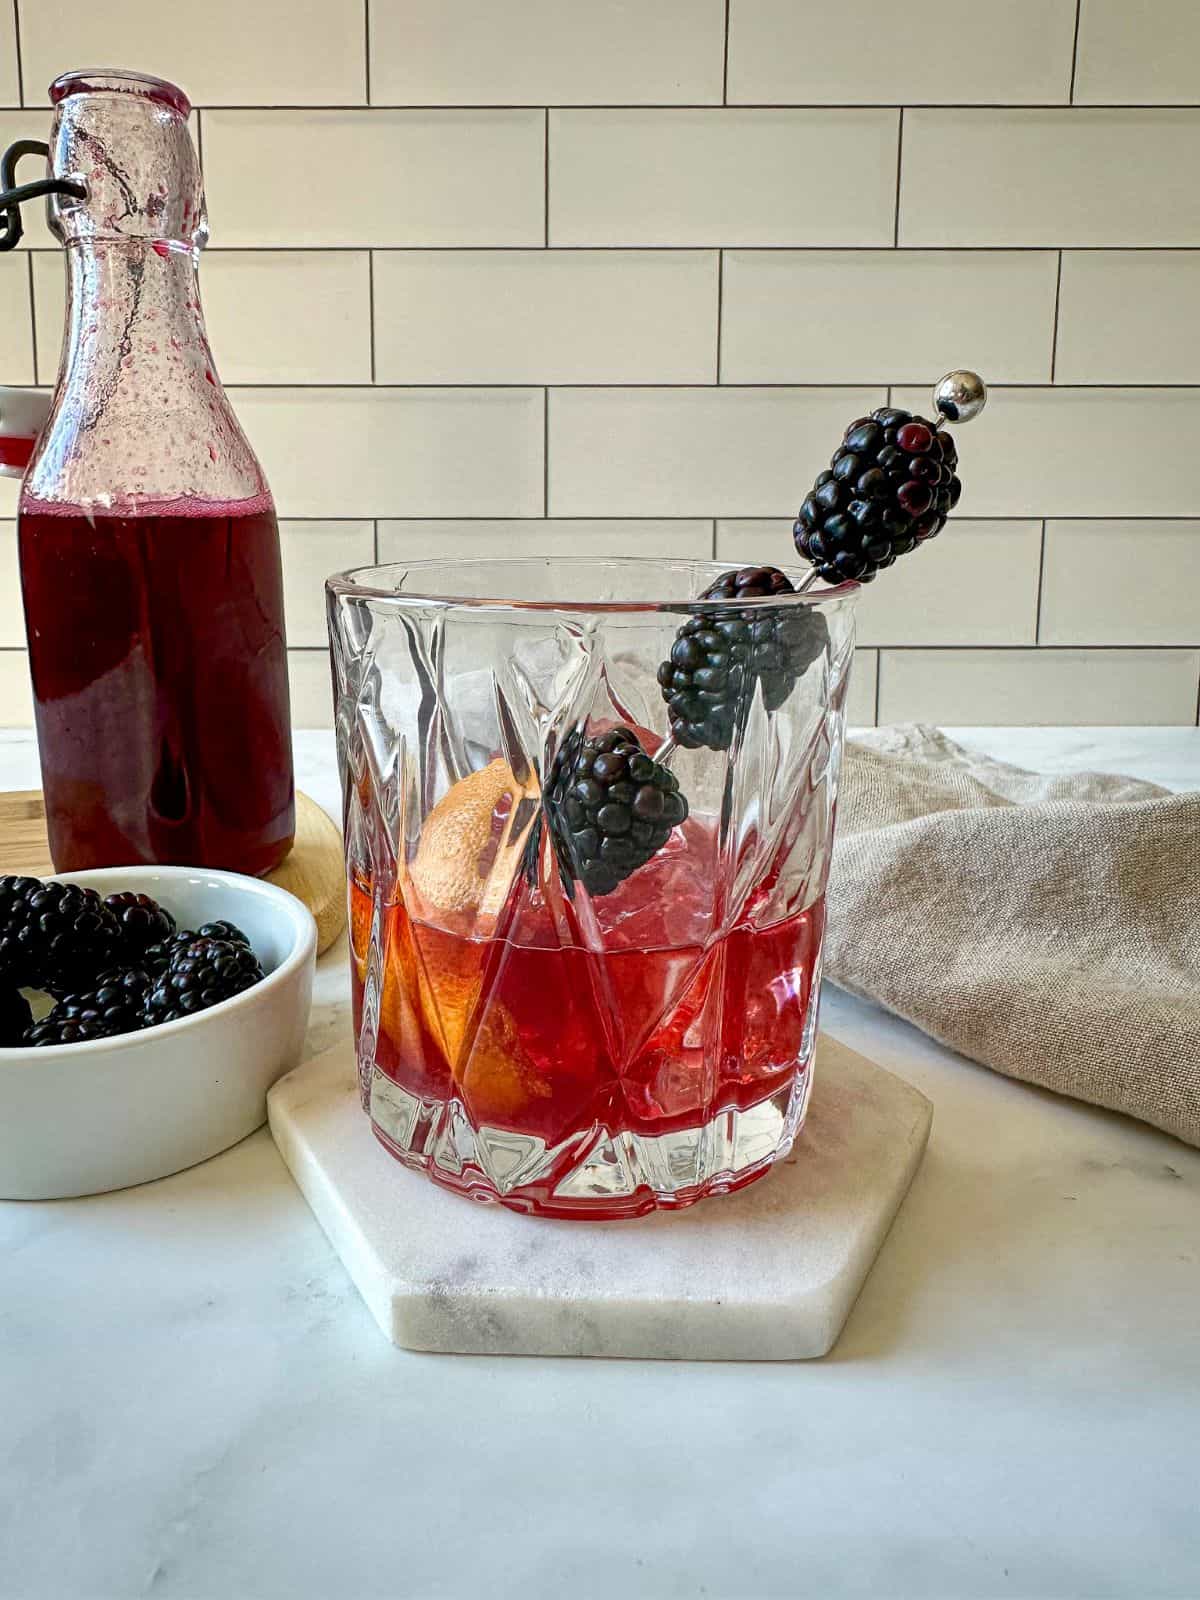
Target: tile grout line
878, 682
1037, 615
546, 452
367, 50
1074, 53
899, 164
720, 306
880, 650
16, 7
419, 107
200, 143
658, 247
725, 59
546, 181
32, 315
371, 308
1054, 325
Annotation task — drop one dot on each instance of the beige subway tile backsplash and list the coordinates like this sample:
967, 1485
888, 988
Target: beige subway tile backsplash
547, 52
1099, 688
878, 51
1121, 583
546, 316
691, 452
975, 584
860, 698
12, 621
730, 177
273, 316
312, 690
832, 316
311, 551
369, 452
547, 277
10, 94
375, 177
1136, 53
16, 697
1077, 452
224, 52
1050, 177
16, 334
416, 540
1129, 316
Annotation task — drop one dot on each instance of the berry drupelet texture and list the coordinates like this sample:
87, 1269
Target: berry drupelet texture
719, 655
53, 934
890, 486
610, 808
142, 920
113, 1001
201, 973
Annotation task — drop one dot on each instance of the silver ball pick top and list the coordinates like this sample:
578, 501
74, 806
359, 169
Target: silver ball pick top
960, 396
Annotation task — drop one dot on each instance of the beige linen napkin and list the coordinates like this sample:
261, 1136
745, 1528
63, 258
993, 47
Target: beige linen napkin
1048, 927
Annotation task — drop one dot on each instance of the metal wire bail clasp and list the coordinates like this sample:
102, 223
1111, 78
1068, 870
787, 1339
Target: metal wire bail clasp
14, 194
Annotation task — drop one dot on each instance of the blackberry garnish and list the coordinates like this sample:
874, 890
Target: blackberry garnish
719, 655
53, 934
113, 1000
200, 974
15, 1018
610, 808
143, 922
229, 931
890, 486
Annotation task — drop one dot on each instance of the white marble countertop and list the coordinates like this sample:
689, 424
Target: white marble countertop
194, 1402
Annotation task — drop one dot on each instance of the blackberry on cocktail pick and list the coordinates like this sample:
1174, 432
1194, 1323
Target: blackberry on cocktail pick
609, 808
890, 486
53, 934
719, 654
199, 974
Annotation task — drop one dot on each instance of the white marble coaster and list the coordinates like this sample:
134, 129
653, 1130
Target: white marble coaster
768, 1274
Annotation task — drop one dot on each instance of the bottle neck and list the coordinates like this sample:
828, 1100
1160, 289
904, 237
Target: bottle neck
133, 315
139, 412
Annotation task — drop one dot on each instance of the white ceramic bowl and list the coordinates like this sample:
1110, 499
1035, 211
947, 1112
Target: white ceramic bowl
82, 1118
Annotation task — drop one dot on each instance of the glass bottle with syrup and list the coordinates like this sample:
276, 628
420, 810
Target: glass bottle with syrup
149, 552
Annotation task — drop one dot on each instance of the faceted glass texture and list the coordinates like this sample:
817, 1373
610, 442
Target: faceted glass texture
521, 1039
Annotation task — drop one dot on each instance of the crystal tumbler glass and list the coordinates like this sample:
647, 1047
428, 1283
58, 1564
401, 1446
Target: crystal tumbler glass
585, 952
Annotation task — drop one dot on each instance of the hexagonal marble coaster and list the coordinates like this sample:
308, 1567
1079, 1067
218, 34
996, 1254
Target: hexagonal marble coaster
767, 1274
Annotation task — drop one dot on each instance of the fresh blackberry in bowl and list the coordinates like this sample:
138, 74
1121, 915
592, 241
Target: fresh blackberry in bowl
609, 808
890, 487
719, 655
157, 957
53, 934
15, 1018
229, 931
114, 999
201, 973
143, 922
68, 1030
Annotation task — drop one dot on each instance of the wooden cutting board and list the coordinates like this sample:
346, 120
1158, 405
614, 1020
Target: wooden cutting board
313, 871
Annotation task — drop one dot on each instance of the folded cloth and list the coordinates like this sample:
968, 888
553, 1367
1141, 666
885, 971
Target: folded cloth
1048, 927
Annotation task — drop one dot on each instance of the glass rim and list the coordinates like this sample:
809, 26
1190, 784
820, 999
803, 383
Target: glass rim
119, 80
353, 584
